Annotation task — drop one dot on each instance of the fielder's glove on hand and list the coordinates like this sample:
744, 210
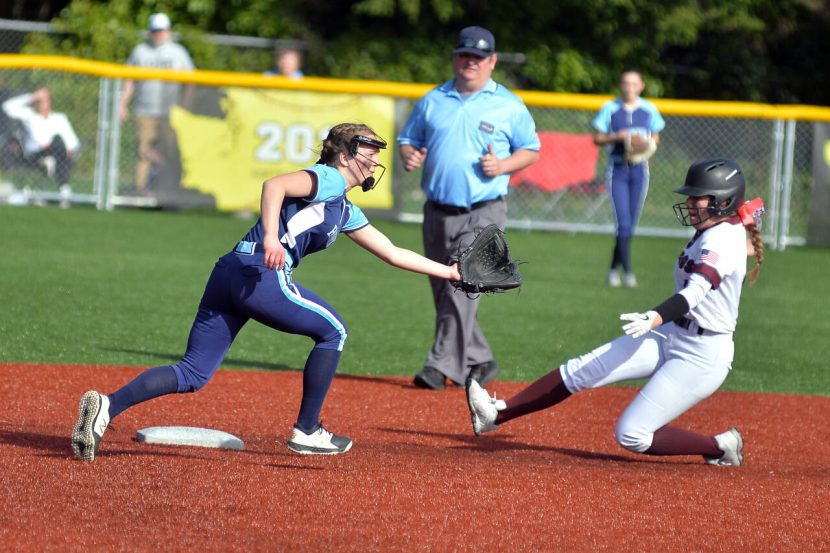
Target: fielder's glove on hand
638, 148
485, 266
640, 323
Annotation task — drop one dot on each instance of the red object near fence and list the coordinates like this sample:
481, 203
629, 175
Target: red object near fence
565, 160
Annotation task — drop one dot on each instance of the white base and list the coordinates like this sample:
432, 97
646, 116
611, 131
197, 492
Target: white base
189, 435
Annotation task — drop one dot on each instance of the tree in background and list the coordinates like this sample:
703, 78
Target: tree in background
753, 50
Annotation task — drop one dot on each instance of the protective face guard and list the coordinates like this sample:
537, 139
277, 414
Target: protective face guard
750, 212
683, 213
358, 139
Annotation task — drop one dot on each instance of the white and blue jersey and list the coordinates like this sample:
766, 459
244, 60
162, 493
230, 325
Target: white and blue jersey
458, 131
613, 117
241, 287
311, 224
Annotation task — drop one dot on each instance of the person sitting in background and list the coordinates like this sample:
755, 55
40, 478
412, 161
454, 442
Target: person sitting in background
288, 62
49, 140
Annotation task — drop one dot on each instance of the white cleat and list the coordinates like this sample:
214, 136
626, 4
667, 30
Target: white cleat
732, 444
613, 279
93, 419
319, 442
483, 408
629, 280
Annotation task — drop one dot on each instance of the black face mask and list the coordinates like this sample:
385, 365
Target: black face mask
368, 182
684, 212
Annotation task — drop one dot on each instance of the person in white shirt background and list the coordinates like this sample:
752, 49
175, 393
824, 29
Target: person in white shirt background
49, 141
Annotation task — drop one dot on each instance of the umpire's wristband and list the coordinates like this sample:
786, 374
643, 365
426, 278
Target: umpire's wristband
673, 308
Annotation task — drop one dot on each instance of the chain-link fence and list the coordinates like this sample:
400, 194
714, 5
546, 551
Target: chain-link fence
64, 167
775, 155
226, 52
84, 176
566, 192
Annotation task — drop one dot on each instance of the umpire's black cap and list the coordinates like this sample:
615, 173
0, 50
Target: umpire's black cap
477, 41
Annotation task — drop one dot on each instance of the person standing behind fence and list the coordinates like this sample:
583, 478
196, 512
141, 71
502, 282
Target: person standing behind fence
49, 141
288, 62
469, 133
159, 159
627, 182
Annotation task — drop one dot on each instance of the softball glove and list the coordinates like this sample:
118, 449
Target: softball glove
639, 148
485, 266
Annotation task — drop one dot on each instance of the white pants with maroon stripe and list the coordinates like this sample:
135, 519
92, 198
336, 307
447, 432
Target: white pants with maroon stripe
684, 368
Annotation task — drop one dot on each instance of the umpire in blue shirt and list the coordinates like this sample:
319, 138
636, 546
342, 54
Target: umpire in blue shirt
468, 134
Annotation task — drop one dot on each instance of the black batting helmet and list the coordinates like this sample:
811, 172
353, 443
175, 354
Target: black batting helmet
719, 178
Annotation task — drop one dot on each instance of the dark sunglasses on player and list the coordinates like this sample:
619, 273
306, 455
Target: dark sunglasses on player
480, 44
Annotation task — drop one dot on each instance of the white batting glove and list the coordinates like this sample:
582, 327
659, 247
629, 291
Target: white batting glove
640, 323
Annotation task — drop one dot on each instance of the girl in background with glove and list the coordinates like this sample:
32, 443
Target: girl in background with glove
302, 212
617, 123
684, 345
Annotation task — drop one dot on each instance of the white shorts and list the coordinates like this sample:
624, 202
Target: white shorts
684, 367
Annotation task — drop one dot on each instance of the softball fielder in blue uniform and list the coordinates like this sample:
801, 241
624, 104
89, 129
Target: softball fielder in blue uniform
684, 346
302, 213
627, 182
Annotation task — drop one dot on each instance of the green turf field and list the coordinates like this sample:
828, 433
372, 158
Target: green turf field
84, 286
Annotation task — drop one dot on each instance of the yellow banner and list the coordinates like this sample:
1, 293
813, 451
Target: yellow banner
270, 132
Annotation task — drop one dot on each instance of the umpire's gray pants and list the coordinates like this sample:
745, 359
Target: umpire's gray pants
459, 340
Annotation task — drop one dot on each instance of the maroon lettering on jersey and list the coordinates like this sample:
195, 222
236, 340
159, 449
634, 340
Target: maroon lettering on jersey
707, 271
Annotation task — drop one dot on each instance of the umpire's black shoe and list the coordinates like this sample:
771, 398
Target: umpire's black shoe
430, 378
484, 372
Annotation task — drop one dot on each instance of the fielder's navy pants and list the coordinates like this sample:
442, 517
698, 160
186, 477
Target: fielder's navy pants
628, 189
241, 288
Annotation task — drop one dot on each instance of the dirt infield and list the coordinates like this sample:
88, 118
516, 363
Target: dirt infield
415, 480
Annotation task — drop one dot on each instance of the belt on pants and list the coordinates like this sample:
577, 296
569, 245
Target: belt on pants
456, 210
623, 161
249, 248
683, 322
